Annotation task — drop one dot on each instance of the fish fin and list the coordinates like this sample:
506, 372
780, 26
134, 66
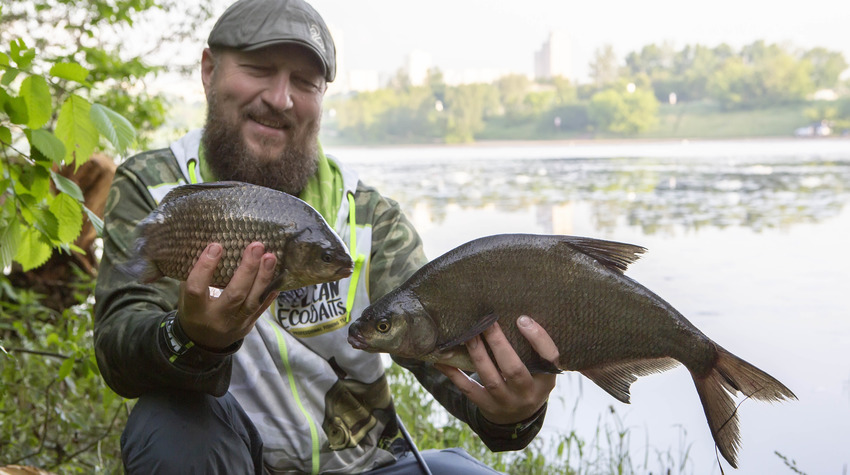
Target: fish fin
482, 324
616, 378
543, 366
138, 268
186, 190
730, 375
614, 255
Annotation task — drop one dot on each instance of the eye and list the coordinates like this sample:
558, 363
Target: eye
383, 325
327, 258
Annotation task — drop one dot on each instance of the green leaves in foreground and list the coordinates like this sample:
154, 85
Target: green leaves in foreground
34, 220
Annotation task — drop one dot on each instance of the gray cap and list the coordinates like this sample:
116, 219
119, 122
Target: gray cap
252, 24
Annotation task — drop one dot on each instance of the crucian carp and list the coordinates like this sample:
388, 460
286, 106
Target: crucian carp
235, 214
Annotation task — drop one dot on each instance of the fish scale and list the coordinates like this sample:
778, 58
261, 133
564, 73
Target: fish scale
234, 214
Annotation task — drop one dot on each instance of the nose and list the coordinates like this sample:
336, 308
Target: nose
279, 92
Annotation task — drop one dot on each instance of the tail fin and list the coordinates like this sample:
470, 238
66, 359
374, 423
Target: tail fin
729, 376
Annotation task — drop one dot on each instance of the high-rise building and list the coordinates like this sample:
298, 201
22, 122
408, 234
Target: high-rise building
555, 57
416, 65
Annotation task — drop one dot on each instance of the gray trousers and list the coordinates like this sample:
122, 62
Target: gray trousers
194, 433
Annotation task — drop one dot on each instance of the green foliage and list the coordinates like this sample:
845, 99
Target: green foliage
608, 450
621, 111
29, 150
55, 410
759, 76
68, 88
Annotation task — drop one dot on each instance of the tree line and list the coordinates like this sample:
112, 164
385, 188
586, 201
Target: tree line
622, 97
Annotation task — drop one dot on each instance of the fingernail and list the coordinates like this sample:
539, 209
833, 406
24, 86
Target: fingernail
473, 343
257, 252
213, 250
268, 263
525, 321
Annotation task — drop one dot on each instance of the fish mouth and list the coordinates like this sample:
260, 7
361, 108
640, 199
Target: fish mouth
356, 340
344, 272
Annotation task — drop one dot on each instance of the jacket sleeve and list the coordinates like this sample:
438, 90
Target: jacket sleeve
396, 254
138, 343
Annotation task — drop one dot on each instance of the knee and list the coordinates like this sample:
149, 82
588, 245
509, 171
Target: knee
180, 432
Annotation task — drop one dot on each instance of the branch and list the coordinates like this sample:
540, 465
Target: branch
94, 442
37, 352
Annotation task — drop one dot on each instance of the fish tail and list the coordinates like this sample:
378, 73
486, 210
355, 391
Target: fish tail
729, 376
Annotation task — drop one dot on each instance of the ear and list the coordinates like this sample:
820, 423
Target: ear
208, 64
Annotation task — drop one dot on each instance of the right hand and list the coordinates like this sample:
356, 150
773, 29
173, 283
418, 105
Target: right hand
215, 323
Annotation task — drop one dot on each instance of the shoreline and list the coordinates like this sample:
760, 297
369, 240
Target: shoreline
591, 142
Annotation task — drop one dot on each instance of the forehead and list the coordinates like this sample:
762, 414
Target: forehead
287, 55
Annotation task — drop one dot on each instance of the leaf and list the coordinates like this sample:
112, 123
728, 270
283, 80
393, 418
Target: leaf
9, 76
4, 59
66, 368
69, 215
70, 71
76, 130
16, 107
47, 223
34, 249
35, 180
36, 94
96, 221
10, 238
48, 144
113, 126
67, 186
5, 135
21, 55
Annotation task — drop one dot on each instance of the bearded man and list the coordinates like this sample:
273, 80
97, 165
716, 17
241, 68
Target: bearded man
229, 382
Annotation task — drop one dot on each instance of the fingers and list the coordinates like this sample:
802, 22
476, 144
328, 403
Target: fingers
538, 338
199, 279
243, 279
511, 367
508, 391
218, 322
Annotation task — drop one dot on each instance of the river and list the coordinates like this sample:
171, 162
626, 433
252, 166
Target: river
747, 238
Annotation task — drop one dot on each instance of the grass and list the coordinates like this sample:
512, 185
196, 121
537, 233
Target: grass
605, 451
699, 120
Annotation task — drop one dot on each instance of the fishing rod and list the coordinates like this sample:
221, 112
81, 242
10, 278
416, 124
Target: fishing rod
413, 448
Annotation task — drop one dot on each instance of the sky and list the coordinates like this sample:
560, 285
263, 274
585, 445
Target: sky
500, 34
504, 35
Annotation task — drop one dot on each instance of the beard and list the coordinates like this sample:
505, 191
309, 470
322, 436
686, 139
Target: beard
229, 157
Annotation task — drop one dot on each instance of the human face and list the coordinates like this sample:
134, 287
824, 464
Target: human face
264, 110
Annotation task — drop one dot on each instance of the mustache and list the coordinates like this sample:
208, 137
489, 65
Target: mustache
271, 116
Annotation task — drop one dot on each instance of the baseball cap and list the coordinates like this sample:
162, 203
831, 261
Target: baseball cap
252, 24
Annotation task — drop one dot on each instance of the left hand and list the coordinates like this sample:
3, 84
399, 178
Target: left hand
512, 394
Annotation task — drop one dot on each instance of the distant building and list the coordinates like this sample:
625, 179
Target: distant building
555, 57
416, 65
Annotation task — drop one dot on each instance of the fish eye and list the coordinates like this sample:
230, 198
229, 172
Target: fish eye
383, 325
326, 257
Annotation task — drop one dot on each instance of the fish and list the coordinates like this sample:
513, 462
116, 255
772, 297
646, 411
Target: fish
234, 214
607, 326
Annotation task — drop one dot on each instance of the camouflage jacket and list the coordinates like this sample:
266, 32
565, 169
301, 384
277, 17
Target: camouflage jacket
319, 404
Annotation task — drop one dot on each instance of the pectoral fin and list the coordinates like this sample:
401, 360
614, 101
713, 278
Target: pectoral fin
616, 378
482, 324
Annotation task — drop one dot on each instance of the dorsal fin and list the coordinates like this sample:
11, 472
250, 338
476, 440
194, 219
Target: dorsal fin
614, 255
186, 190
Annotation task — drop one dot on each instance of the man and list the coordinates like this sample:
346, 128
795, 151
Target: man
229, 384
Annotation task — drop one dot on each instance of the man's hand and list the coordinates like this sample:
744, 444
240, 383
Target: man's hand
216, 323
514, 394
